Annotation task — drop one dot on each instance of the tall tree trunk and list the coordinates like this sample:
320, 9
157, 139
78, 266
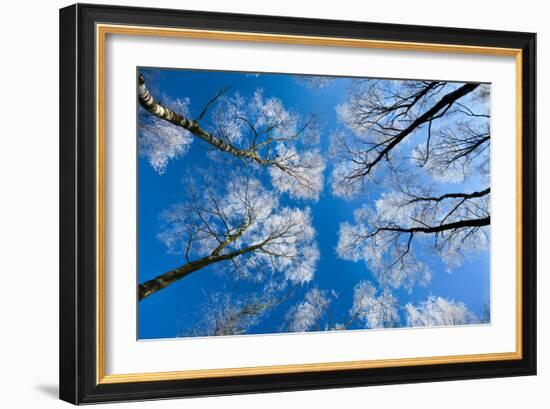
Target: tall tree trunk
442, 105
161, 111
164, 280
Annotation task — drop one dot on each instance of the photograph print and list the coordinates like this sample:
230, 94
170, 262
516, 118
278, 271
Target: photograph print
285, 203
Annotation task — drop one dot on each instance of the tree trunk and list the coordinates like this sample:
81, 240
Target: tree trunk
156, 108
444, 103
164, 280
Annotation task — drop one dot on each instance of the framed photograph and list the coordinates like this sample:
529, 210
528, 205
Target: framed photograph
257, 203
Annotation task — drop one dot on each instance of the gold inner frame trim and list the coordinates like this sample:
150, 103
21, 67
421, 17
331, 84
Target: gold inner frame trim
102, 30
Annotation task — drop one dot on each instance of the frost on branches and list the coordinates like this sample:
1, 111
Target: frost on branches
255, 130
160, 141
239, 226
389, 236
372, 309
307, 314
437, 126
415, 141
227, 314
438, 311
314, 82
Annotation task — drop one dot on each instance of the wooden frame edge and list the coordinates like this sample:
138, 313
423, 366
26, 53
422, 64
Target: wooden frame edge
301, 368
103, 29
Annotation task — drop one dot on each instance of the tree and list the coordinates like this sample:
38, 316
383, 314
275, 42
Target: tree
450, 123
239, 227
227, 314
161, 141
256, 131
453, 226
413, 138
438, 311
314, 82
308, 314
370, 309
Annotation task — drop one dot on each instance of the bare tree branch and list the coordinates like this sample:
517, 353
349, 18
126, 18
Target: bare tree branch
274, 136
236, 224
436, 111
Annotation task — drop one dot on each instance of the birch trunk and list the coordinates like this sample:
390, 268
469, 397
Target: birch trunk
154, 107
164, 280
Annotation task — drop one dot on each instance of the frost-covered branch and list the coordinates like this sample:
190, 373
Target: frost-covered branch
314, 82
256, 130
160, 141
371, 308
391, 237
225, 313
240, 227
448, 122
413, 133
307, 315
438, 311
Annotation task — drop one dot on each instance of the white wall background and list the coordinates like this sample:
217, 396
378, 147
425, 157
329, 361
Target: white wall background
29, 203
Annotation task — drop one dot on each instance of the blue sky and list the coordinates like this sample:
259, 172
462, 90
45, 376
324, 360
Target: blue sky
178, 307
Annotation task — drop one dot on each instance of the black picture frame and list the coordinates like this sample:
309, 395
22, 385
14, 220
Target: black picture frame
78, 313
